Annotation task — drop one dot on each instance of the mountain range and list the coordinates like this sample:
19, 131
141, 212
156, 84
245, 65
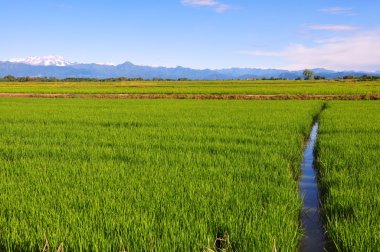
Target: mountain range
58, 67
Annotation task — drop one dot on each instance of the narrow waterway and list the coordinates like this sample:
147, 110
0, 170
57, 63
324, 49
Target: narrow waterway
314, 234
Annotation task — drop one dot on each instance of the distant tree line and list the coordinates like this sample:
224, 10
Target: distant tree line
363, 77
308, 75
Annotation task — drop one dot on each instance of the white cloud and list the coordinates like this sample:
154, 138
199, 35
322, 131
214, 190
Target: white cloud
356, 52
215, 5
318, 27
338, 11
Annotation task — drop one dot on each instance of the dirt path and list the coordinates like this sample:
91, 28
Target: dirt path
201, 96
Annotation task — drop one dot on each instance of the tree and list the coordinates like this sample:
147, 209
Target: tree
9, 78
318, 77
308, 74
348, 77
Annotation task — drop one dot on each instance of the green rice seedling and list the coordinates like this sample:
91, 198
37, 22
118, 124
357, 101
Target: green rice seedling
143, 175
349, 166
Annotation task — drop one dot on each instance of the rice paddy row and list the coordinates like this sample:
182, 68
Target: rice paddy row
162, 175
349, 166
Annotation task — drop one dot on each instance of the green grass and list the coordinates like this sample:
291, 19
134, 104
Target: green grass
349, 166
168, 175
196, 87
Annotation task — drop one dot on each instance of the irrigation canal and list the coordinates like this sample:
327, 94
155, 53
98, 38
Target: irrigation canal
314, 239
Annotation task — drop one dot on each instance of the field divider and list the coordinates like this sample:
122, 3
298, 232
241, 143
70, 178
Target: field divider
199, 96
314, 238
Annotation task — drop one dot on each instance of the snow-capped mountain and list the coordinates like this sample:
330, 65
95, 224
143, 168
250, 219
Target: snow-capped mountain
43, 61
58, 67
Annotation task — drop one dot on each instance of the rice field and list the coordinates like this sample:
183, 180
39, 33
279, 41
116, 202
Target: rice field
183, 175
349, 166
324, 87
153, 175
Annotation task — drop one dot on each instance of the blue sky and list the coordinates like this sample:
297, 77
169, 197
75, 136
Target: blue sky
292, 34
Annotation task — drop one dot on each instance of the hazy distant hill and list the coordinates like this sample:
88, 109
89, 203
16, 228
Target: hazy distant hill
59, 68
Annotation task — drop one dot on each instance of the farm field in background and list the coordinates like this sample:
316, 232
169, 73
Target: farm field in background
195, 87
168, 175
349, 166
